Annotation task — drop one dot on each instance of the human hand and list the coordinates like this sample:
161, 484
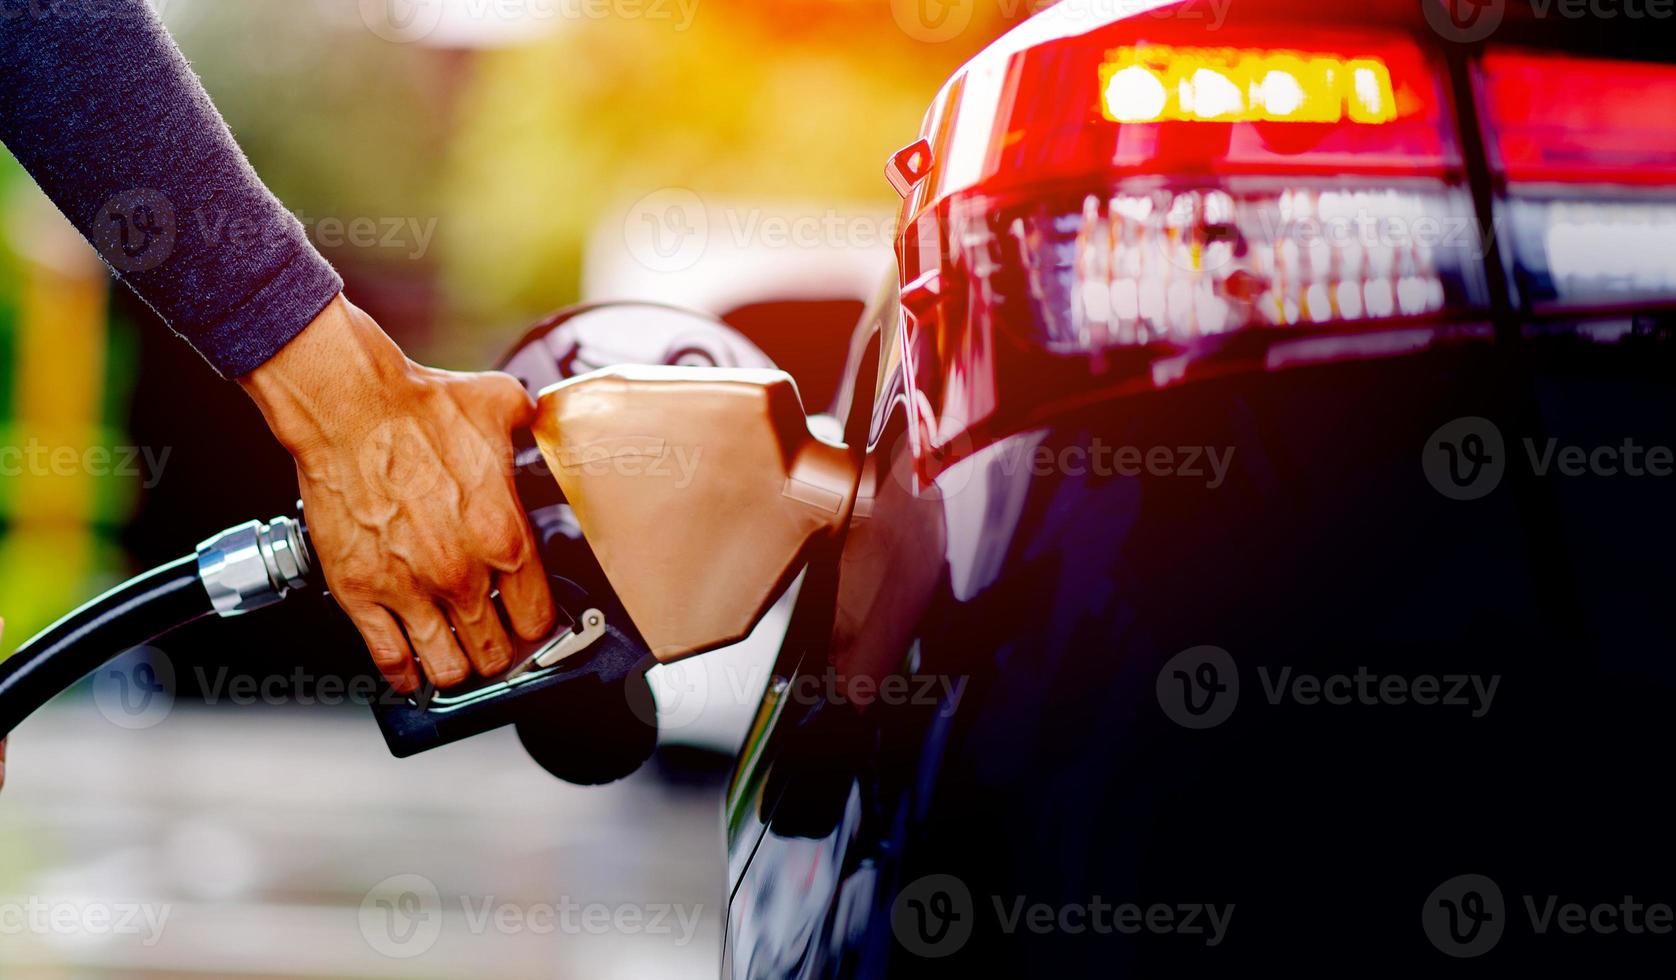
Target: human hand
406, 480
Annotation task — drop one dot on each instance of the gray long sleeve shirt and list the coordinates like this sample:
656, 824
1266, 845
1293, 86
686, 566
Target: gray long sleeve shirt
101, 108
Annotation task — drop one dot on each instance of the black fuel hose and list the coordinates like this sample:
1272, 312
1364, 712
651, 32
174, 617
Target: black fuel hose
136, 612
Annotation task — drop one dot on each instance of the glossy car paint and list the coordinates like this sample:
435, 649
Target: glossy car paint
1033, 608
1036, 606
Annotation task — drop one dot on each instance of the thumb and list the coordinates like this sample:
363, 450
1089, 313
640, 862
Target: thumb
507, 398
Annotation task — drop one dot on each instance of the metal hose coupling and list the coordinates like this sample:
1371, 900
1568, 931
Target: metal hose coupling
254, 565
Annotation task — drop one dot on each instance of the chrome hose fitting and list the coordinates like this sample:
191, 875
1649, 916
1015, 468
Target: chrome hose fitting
254, 565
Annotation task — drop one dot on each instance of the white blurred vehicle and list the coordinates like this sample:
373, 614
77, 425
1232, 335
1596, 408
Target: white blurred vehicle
792, 278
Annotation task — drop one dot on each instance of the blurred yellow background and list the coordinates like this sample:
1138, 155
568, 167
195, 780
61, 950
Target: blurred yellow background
480, 157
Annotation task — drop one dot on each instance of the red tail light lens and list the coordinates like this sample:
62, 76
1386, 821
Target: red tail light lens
1587, 149
1556, 118
1143, 96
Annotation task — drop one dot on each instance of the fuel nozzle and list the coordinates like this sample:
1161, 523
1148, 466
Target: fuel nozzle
254, 565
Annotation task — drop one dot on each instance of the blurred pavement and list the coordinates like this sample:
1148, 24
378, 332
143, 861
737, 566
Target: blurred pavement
264, 835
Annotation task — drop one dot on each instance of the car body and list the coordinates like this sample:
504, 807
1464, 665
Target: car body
1323, 637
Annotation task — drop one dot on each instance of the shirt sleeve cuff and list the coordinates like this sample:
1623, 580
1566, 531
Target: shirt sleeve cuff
273, 315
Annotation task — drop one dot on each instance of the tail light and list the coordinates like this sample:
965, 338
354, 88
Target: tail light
1587, 150
1145, 264
1123, 203
1272, 187
1103, 203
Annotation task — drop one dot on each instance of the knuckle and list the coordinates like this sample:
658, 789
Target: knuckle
495, 657
454, 577
425, 630
450, 674
461, 596
508, 545
508, 388
353, 588
536, 616
388, 659
491, 642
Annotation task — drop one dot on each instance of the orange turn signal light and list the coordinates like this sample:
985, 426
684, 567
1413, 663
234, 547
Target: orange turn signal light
1159, 83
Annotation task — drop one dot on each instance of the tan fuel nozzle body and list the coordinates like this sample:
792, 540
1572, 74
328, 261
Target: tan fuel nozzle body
699, 490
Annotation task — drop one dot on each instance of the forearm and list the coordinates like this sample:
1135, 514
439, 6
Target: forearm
104, 112
319, 391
